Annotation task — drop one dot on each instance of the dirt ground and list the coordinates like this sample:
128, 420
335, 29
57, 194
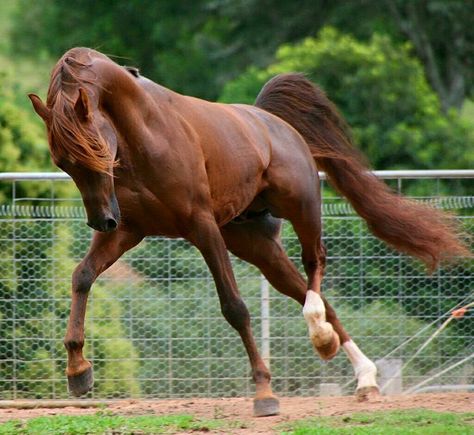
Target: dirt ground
240, 409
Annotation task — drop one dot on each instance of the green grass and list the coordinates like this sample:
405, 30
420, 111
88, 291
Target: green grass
105, 423
387, 423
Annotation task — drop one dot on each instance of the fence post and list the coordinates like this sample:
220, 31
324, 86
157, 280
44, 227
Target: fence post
265, 315
390, 375
330, 389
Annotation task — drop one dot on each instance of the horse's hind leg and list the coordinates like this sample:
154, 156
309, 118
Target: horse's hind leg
323, 336
206, 236
105, 249
307, 225
258, 242
304, 214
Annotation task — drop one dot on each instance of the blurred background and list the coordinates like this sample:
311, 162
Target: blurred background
400, 71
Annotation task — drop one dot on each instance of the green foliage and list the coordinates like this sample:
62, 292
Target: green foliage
37, 360
381, 90
27, 293
192, 47
443, 39
22, 142
116, 367
159, 37
416, 422
189, 336
195, 47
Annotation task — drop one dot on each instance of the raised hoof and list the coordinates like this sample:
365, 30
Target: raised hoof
329, 350
81, 384
367, 394
266, 407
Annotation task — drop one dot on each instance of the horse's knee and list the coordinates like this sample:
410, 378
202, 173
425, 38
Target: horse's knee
82, 278
236, 313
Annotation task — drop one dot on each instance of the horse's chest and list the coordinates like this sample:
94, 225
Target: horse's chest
145, 211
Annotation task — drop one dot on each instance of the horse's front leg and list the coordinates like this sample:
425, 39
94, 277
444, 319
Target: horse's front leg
207, 238
105, 249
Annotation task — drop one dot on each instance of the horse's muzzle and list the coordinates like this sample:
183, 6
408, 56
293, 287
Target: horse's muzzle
107, 219
104, 225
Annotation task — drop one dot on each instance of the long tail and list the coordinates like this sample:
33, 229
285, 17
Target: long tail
408, 226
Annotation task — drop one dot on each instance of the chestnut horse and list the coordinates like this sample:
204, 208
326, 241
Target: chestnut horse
150, 161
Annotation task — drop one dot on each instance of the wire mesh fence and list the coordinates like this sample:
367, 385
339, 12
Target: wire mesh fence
154, 327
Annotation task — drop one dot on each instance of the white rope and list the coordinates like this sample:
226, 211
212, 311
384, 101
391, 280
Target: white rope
408, 340
427, 326
410, 390
423, 346
426, 343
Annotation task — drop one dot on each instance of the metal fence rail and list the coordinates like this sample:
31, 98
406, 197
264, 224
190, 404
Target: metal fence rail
154, 327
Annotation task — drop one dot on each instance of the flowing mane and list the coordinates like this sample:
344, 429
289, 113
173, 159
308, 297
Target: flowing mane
69, 136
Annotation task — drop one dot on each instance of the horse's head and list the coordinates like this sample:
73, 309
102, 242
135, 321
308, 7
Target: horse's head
82, 141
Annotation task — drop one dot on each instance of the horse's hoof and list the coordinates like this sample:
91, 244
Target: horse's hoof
266, 407
81, 384
367, 394
329, 350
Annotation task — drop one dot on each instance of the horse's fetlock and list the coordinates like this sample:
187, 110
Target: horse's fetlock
71, 344
261, 376
321, 334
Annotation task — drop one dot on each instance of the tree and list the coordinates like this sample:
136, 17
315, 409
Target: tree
196, 47
22, 142
192, 47
443, 37
382, 92
161, 38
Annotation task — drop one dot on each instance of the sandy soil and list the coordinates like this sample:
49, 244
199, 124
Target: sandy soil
240, 409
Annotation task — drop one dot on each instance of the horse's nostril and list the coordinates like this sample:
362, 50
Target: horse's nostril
111, 224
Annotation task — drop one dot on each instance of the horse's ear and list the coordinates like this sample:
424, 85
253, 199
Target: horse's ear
82, 106
40, 107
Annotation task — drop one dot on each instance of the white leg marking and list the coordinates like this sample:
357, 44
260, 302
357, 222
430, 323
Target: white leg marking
314, 312
364, 369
